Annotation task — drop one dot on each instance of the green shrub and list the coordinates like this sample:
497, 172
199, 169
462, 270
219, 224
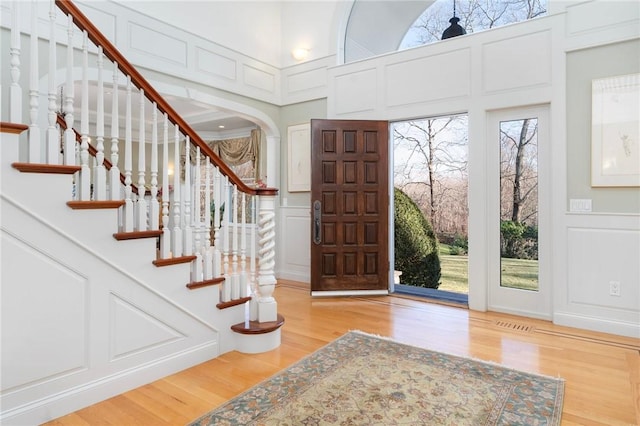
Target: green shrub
518, 240
456, 251
460, 245
416, 246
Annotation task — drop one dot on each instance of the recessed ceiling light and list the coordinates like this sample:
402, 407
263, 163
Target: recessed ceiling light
221, 126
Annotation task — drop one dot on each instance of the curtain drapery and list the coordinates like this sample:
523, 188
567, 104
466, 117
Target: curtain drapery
234, 152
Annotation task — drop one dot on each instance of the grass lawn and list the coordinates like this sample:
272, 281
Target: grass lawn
516, 273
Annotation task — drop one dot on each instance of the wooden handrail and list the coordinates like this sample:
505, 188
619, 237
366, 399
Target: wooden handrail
93, 150
140, 82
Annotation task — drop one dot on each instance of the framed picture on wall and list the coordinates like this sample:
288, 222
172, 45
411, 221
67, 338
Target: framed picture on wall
299, 167
615, 131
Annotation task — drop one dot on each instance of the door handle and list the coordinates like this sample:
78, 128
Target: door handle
317, 234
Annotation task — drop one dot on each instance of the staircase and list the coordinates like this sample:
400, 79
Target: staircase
106, 284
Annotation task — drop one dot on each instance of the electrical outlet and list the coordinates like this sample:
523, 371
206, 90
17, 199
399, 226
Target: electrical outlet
614, 288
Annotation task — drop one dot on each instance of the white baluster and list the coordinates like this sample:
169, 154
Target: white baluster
114, 172
210, 270
219, 203
176, 238
244, 291
187, 245
267, 306
154, 210
128, 163
15, 92
34, 129
100, 172
141, 205
85, 171
196, 268
252, 268
226, 287
53, 135
165, 242
235, 278
69, 135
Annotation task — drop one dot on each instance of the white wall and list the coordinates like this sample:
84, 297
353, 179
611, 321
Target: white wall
510, 67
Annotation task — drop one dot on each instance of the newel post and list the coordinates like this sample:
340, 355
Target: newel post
267, 305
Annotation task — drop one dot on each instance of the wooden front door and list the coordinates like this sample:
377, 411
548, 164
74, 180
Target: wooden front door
349, 207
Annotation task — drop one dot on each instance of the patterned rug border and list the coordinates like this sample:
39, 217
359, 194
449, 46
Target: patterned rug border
559, 397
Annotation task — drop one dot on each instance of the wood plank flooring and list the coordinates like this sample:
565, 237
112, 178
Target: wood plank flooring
602, 371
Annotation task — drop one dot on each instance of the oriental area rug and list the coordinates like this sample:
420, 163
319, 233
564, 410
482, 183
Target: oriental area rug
361, 379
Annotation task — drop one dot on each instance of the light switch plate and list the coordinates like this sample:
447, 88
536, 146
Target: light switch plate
577, 205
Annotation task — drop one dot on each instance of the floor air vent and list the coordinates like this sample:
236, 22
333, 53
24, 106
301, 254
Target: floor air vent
526, 328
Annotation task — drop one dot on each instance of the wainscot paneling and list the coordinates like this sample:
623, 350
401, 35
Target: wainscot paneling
602, 249
357, 91
306, 81
517, 62
46, 337
595, 23
295, 244
157, 45
428, 71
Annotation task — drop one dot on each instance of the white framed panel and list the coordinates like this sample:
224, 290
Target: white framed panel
299, 158
517, 62
294, 253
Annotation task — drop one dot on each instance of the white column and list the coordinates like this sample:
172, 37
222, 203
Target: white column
267, 306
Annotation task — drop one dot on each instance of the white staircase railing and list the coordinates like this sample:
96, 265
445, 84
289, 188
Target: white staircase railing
178, 184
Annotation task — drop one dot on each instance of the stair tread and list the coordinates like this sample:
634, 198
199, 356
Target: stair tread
120, 236
235, 302
45, 168
173, 260
206, 283
86, 205
256, 327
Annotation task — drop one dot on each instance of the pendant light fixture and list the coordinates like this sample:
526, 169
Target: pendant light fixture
454, 29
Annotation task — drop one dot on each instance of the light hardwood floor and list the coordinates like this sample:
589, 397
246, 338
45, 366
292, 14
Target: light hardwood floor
602, 371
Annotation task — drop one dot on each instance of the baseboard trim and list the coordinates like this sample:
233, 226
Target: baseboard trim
76, 398
294, 276
333, 293
598, 324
